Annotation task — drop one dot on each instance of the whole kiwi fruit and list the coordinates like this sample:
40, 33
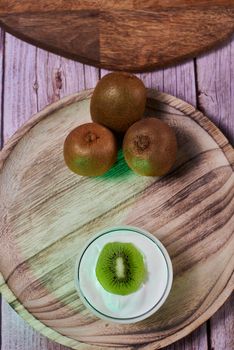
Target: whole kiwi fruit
150, 147
121, 268
118, 101
90, 150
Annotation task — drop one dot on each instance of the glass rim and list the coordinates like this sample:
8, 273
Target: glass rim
164, 295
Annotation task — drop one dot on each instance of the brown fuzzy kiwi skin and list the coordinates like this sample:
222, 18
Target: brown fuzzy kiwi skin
118, 101
90, 150
150, 147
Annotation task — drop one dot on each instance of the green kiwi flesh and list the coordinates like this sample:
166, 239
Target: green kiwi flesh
121, 268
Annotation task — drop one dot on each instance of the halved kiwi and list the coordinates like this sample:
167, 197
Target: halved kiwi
121, 268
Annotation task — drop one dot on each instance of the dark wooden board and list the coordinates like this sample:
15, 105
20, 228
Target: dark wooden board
129, 35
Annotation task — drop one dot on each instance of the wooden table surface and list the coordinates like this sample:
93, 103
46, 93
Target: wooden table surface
32, 78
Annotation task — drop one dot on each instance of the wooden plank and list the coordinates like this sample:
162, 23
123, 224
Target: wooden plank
29, 6
58, 77
20, 102
91, 76
215, 81
133, 35
215, 74
180, 82
42, 79
222, 327
62, 232
158, 80
195, 341
2, 38
18, 335
20, 97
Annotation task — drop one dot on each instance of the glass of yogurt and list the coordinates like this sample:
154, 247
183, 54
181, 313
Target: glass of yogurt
133, 307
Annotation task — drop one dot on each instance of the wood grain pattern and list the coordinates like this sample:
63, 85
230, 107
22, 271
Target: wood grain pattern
43, 79
215, 84
24, 337
1, 138
2, 36
216, 88
223, 323
130, 35
180, 82
221, 330
20, 61
16, 334
45, 286
195, 341
57, 77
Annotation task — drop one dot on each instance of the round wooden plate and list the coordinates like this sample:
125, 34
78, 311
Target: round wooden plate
121, 35
48, 213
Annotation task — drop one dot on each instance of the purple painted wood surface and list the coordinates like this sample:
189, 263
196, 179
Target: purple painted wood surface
215, 83
32, 78
2, 38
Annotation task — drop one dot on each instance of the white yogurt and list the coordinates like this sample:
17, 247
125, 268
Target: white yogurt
135, 306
